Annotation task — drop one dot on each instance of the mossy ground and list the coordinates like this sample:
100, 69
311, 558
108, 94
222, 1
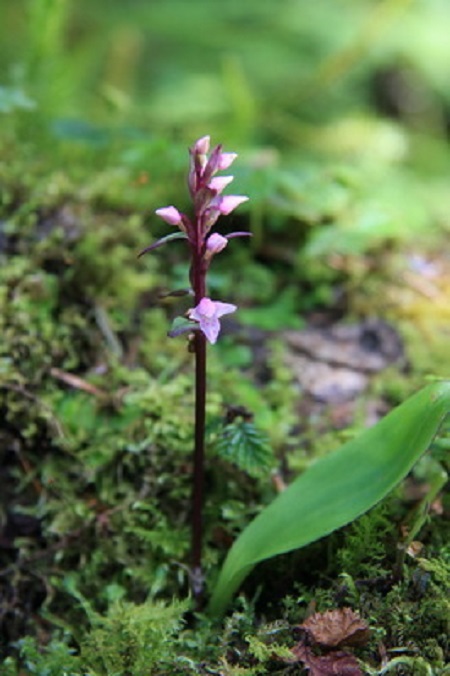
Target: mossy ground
96, 463
349, 214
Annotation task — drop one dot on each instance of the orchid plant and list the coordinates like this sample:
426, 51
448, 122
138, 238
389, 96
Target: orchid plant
203, 320
338, 487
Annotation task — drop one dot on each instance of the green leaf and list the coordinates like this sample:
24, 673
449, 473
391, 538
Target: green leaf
181, 325
245, 446
337, 488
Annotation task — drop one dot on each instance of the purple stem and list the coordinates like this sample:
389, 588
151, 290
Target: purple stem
199, 287
199, 455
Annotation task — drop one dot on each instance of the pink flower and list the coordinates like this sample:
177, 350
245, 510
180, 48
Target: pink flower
219, 206
171, 215
207, 314
228, 203
214, 244
218, 183
225, 160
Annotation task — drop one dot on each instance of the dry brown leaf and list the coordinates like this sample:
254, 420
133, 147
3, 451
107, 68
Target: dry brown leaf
76, 382
335, 663
336, 628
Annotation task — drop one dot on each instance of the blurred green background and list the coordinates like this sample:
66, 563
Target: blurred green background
253, 71
338, 109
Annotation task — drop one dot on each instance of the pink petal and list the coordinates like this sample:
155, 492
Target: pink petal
204, 309
207, 307
224, 308
170, 214
228, 203
211, 329
219, 183
225, 160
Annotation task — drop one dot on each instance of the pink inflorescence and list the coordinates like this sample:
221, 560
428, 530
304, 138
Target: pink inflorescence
209, 204
206, 192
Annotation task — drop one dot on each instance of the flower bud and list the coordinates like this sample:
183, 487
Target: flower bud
171, 215
201, 147
219, 183
214, 244
228, 203
225, 160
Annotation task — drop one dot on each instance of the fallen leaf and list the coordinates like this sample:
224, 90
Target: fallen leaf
414, 549
335, 663
336, 628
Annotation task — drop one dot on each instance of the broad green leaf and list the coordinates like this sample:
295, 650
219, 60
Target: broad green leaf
337, 488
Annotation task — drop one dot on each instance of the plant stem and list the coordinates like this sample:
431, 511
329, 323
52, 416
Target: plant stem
199, 287
199, 455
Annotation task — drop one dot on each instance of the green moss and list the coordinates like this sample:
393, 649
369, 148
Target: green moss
96, 472
133, 639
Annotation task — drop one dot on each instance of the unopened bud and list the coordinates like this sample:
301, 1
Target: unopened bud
170, 214
228, 203
219, 183
225, 160
201, 147
214, 244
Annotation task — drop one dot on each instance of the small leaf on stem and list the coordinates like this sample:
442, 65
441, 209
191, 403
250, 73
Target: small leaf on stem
181, 325
162, 241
